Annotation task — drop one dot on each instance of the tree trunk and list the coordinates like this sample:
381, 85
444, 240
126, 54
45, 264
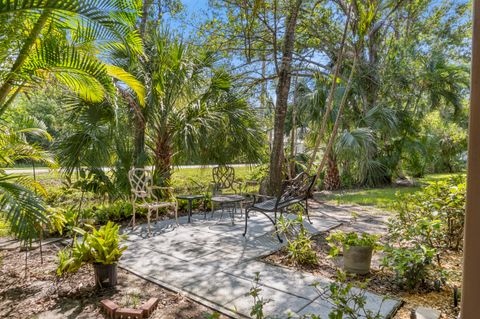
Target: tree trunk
331, 93
293, 137
139, 156
332, 178
163, 159
283, 89
338, 119
22, 57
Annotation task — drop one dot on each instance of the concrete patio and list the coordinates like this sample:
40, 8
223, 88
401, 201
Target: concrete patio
211, 262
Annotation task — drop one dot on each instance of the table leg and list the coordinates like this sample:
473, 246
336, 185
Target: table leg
189, 210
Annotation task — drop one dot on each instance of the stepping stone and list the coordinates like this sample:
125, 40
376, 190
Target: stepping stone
277, 277
427, 313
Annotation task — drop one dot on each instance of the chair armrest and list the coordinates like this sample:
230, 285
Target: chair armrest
169, 188
240, 184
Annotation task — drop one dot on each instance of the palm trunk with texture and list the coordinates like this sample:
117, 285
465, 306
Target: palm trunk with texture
332, 178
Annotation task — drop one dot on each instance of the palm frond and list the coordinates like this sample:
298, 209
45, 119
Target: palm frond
21, 207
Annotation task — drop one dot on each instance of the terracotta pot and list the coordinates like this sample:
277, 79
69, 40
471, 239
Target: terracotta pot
105, 275
357, 259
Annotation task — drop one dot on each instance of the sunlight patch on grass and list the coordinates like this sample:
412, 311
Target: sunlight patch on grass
381, 197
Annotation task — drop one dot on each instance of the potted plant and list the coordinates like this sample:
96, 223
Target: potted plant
357, 250
101, 248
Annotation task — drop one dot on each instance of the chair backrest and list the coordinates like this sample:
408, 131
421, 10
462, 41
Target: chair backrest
297, 188
140, 182
223, 176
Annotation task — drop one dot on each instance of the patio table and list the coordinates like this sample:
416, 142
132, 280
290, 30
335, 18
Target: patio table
190, 198
233, 200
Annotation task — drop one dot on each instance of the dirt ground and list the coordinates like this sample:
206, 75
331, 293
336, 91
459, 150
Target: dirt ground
40, 295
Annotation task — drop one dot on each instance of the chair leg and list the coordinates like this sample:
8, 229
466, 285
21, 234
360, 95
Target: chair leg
211, 215
276, 232
204, 211
246, 221
148, 221
306, 211
133, 216
176, 213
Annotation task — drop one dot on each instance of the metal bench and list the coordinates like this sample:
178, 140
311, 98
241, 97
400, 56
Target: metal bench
294, 191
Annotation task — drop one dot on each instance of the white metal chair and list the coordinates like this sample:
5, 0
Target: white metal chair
143, 195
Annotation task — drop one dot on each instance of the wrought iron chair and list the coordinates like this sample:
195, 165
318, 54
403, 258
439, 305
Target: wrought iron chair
143, 195
224, 183
224, 180
295, 191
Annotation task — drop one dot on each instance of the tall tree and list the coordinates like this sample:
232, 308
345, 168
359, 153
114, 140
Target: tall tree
283, 90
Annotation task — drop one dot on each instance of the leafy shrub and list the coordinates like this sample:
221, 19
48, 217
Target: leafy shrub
299, 241
414, 266
117, 211
101, 246
425, 223
340, 240
433, 216
65, 220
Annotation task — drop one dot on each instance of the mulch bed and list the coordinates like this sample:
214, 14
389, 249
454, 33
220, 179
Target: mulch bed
382, 281
38, 293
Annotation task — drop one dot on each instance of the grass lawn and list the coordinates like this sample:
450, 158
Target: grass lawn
185, 178
380, 197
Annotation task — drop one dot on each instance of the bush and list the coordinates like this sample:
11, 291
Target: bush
117, 212
433, 216
414, 266
101, 246
425, 223
300, 245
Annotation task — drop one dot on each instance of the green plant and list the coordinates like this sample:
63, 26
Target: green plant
414, 266
340, 240
131, 299
433, 216
117, 211
101, 246
347, 298
299, 241
258, 301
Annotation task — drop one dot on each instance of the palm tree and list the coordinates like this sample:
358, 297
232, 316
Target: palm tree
57, 45
193, 111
